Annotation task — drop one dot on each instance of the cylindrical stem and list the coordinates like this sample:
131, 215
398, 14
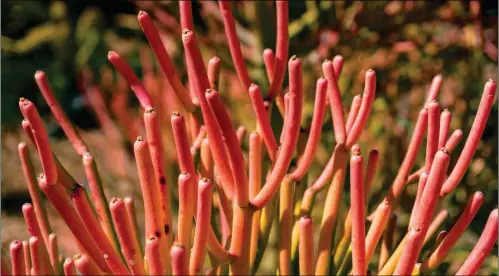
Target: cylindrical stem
445, 119
17, 258
130, 246
255, 183
476, 132
69, 267
365, 108
334, 96
203, 219
86, 213
180, 260
153, 256
281, 53
234, 44
432, 138
482, 248
288, 145
34, 230
315, 131
164, 60
85, 265
286, 197
37, 262
453, 235
306, 246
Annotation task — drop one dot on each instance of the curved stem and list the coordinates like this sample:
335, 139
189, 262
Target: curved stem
482, 248
454, 140
195, 66
288, 146
390, 265
439, 254
423, 216
164, 60
234, 43
436, 83
471, 145
281, 54
334, 96
234, 151
42, 140
365, 108
135, 84
315, 131
338, 65
59, 114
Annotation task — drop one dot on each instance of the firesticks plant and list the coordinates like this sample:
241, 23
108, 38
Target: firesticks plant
108, 238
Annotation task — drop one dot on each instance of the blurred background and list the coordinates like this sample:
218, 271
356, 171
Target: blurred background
407, 43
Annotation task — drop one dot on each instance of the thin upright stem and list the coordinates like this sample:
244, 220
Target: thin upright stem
164, 60
281, 53
286, 197
358, 217
87, 216
445, 120
203, 218
315, 131
334, 96
17, 257
130, 246
365, 108
306, 246
234, 43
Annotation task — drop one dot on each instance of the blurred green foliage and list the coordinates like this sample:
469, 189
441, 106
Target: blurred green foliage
406, 42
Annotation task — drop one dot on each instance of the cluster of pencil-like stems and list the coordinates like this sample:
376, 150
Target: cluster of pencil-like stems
109, 241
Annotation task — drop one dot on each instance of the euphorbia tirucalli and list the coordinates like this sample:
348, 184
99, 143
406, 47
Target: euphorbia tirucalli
109, 241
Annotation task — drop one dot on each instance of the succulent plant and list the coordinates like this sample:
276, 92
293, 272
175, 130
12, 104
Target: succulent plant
245, 190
